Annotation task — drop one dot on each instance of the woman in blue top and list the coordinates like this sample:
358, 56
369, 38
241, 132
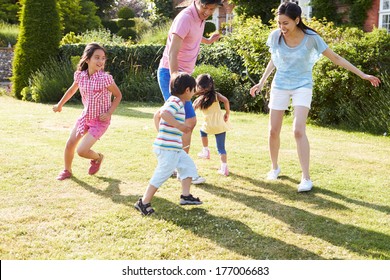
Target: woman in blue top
294, 49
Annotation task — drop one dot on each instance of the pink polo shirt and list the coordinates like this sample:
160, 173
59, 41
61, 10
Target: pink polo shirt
188, 26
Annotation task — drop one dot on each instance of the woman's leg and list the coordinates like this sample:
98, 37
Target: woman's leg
303, 147
275, 126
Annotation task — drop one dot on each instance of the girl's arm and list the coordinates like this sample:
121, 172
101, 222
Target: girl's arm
340, 61
196, 103
268, 70
68, 95
170, 119
226, 103
113, 88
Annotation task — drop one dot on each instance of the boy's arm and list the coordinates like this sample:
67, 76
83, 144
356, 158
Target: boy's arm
156, 119
170, 119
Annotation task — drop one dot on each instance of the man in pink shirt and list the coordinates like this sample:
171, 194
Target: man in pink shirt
181, 51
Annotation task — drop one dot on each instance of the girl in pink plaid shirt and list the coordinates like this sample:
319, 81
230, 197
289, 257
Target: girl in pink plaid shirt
96, 88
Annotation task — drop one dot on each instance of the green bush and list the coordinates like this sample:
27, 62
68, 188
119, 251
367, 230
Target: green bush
156, 35
140, 84
209, 28
101, 36
50, 82
224, 80
38, 40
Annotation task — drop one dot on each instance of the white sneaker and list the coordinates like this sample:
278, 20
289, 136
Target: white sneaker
198, 180
305, 185
223, 171
205, 153
273, 174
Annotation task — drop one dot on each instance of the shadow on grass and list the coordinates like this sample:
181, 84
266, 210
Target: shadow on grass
365, 242
228, 233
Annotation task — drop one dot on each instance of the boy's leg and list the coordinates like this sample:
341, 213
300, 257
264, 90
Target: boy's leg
149, 193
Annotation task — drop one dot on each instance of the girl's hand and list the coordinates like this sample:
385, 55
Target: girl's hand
226, 117
255, 89
105, 117
373, 80
57, 108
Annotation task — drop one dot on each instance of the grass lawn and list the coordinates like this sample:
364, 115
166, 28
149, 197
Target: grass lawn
346, 216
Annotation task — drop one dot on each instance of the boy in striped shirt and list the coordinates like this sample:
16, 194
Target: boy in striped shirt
168, 146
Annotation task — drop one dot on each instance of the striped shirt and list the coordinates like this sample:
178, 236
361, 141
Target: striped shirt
95, 96
169, 137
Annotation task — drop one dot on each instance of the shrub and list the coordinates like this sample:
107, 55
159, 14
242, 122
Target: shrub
50, 82
156, 35
140, 85
38, 40
101, 36
225, 81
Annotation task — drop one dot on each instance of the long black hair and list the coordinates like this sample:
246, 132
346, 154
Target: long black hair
206, 88
293, 11
87, 54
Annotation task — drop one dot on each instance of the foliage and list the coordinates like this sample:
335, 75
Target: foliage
78, 16
125, 23
258, 8
224, 80
356, 13
103, 7
38, 40
162, 11
140, 84
8, 34
9, 11
138, 6
141, 26
100, 36
156, 35
209, 28
50, 82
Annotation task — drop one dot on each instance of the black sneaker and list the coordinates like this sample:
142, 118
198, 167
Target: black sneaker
189, 200
145, 209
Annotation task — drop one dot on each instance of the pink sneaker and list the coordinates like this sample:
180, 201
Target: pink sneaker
205, 153
65, 174
95, 165
223, 171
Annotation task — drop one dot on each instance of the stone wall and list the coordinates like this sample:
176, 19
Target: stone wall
6, 55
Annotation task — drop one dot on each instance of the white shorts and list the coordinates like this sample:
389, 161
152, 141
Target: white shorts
280, 98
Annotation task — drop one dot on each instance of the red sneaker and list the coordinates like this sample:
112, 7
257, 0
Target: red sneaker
65, 174
95, 165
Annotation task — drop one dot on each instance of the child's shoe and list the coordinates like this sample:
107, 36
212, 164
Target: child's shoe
205, 153
273, 174
189, 200
145, 209
198, 180
95, 165
65, 174
223, 170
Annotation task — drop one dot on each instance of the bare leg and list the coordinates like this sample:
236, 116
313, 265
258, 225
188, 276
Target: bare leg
149, 193
84, 149
70, 148
223, 158
186, 185
186, 138
275, 126
205, 141
303, 147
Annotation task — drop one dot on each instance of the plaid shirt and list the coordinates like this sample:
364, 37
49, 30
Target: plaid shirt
95, 96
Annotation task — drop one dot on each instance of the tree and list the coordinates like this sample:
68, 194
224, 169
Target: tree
78, 15
126, 23
259, 8
9, 11
138, 6
38, 40
104, 7
162, 10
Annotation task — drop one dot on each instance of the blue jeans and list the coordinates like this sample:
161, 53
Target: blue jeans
220, 139
163, 78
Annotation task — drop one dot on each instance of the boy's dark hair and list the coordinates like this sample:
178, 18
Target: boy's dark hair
180, 82
87, 54
207, 90
293, 11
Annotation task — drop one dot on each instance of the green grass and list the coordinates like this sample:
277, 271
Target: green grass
346, 216
8, 34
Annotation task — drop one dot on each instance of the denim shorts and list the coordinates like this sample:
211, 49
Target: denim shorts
164, 77
168, 161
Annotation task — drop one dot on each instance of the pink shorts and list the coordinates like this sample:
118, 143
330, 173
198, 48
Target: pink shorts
95, 127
